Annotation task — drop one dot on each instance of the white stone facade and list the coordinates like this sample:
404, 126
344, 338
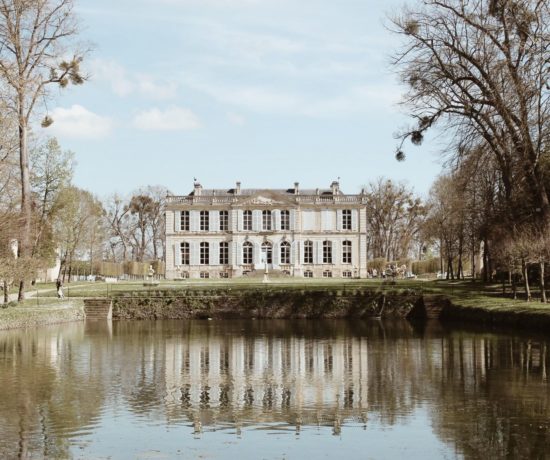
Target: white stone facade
236, 232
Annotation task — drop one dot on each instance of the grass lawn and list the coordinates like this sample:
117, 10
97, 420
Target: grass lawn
463, 292
40, 311
101, 289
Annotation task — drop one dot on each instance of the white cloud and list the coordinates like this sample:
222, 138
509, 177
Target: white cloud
171, 119
79, 122
123, 84
236, 119
375, 98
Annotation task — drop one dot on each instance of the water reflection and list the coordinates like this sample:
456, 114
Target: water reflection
64, 387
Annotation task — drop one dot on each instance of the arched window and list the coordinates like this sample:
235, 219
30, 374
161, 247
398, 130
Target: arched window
308, 252
346, 252
327, 252
285, 252
204, 253
248, 252
184, 251
267, 252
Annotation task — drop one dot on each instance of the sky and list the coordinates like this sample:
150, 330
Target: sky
265, 92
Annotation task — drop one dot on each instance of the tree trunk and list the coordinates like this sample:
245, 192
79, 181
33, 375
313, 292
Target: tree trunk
473, 263
24, 243
485, 261
542, 286
525, 269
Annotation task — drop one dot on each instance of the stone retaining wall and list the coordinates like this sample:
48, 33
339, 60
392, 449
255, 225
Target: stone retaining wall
264, 303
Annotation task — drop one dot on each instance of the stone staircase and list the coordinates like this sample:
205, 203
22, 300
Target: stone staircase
430, 307
98, 309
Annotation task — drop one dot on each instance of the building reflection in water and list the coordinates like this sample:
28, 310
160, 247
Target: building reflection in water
481, 391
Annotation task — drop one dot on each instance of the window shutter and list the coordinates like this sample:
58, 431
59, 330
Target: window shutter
319, 252
276, 254
354, 219
214, 221
240, 225
256, 220
177, 220
194, 221
193, 253
336, 252
293, 220
238, 249
276, 216
214, 253
293, 249
354, 260
257, 253
338, 219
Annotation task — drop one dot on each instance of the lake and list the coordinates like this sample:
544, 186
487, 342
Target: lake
274, 389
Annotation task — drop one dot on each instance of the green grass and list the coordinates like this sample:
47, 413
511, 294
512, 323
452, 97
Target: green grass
40, 311
238, 284
14, 288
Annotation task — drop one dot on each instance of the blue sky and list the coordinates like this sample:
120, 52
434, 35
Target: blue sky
267, 92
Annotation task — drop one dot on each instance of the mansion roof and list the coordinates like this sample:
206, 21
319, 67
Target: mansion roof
292, 196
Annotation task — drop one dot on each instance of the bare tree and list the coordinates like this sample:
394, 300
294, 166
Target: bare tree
481, 68
76, 225
33, 39
394, 215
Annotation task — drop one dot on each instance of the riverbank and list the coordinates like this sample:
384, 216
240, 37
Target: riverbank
449, 300
41, 312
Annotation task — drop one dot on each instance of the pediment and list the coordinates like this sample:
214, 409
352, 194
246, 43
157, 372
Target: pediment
266, 198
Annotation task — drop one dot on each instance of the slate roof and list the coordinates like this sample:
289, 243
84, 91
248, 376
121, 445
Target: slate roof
253, 191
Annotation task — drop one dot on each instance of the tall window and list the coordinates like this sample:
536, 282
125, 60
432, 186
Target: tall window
224, 253
205, 253
346, 219
346, 252
267, 252
266, 220
224, 221
327, 252
205, 221
248, 250
285, 220
247, 220
184, 251
308, 252
184, 221
285, 252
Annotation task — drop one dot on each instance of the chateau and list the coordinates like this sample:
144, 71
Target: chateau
216, 233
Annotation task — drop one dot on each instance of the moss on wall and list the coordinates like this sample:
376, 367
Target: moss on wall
263, 303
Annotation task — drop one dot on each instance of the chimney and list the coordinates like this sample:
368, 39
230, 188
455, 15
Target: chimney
197, 189
335, 188
296, 188
238, 188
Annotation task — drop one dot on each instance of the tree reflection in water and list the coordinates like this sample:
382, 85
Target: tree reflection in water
487, 394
